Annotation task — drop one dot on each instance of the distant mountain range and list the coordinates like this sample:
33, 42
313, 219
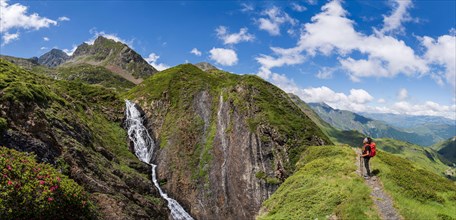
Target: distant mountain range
408, 121
421, 130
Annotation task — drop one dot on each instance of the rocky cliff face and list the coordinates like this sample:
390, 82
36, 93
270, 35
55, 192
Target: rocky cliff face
53, 58
226, 141
77, 128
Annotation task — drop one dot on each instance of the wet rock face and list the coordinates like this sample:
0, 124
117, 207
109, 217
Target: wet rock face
211, 160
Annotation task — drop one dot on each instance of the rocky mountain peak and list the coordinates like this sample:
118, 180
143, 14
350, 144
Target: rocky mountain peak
82, 49
115, 56
204, 66
53, 58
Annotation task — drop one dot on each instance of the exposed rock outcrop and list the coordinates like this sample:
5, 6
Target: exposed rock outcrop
205, 66
53, 58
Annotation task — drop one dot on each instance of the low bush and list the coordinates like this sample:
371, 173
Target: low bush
31, 190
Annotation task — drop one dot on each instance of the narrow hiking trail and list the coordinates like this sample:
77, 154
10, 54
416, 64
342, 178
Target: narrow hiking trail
382, 201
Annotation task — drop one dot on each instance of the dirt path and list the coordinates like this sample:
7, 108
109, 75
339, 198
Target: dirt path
382, 201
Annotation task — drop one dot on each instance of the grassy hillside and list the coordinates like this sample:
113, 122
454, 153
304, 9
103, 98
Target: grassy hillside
93, 75
418, 193
422, 157
76, 127
324, 184
447, 149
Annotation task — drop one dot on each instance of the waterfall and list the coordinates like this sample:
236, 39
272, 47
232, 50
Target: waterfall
144, 147
221, 131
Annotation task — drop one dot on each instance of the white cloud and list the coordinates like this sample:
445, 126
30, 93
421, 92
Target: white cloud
196, 52
70, 52
312, 2
359, 100
297, 7
16, 16
399, 15
111, 36
360, 96
442, 51
46, 38
152, 60
235, 38
331, 32
246, 7
7, 38
225, 57
325, 73
284, 57
275, 18
438, 79
356, 101
43, 48
426, 108
63, 18
402, 94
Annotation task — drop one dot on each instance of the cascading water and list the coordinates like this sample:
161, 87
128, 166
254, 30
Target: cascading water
144, 147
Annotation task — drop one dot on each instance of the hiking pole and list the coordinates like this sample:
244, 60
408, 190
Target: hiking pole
361, 165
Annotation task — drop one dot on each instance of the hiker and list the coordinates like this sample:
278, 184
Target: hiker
368, 151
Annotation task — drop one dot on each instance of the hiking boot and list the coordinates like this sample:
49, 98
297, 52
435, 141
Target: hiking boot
366, 177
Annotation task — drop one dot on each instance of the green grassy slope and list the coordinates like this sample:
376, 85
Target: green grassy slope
447, 149
417, 193
324, 184
422, 157
93, 75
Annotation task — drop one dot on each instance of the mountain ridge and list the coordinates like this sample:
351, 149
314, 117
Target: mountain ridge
346, 120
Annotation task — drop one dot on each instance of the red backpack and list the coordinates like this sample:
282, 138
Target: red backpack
373, 150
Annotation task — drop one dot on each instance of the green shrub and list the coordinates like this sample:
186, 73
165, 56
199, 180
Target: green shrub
3, 124
31, 190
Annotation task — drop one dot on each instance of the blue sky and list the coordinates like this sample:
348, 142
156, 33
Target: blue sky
375, 56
